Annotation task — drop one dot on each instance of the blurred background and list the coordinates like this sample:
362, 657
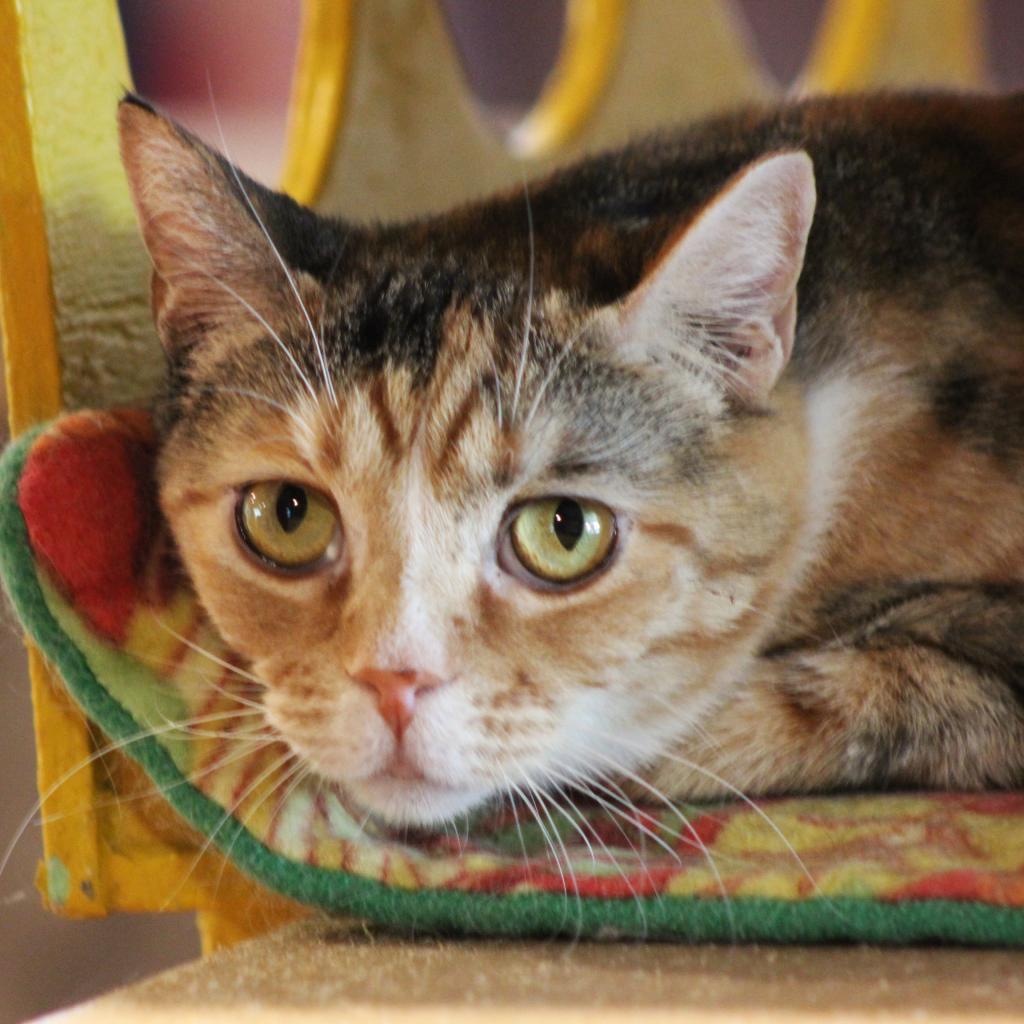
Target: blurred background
204, 60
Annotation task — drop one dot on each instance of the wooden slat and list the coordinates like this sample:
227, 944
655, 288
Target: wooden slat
26, 301
866, 44
324, 972
32, 370
317, 96
74, 70
411, 139
74, 283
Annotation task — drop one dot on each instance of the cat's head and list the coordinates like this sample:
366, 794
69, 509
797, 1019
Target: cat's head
474, 531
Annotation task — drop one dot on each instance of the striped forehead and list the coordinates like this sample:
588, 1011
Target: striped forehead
500, 405
388, 427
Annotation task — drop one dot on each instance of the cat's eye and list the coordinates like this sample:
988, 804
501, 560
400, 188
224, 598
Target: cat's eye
287, 525
561, 541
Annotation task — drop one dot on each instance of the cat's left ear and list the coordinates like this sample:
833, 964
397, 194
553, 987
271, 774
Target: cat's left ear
221, 244
722, 295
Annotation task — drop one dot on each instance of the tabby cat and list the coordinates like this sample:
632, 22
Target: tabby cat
698, 465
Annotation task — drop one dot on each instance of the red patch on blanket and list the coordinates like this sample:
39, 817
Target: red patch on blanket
87, 498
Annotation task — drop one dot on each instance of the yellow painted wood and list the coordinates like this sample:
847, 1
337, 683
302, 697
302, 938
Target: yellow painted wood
74, 71
593, 35
239, 919
26, 304
413, 141
897, 43
74, 298
71, 877
33, 394
317, 96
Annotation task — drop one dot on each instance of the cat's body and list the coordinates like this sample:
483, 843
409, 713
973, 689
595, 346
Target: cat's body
814, 572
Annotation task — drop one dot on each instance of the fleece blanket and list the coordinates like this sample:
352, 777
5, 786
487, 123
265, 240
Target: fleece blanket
85, 561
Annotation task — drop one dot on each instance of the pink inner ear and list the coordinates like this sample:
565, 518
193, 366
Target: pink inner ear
736, 267
211, 260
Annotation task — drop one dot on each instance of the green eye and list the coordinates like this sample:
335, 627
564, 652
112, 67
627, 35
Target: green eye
286, 524
561, 540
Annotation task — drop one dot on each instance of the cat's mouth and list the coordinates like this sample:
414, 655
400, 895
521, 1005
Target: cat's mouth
401, 795
400, 767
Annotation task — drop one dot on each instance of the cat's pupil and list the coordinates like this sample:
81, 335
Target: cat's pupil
291, 507
568, 524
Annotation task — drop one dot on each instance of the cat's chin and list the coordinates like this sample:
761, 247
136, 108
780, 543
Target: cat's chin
399, 801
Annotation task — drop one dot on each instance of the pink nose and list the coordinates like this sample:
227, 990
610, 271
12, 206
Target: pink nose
396, 691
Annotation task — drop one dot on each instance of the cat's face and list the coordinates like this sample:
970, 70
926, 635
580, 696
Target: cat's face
473, 533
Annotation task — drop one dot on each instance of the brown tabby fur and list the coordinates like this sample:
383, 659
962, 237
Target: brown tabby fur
734, 641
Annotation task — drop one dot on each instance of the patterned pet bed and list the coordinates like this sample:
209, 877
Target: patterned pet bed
86, 563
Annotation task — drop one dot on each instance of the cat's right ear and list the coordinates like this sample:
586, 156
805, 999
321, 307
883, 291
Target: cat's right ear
721, 298
200, 220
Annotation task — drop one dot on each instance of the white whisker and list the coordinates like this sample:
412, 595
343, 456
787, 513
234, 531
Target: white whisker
532, 808
245, 393
549, 377
102, 752
292, 778
497, 389
317, 341
639, 859
696, 840
234, 669
266, 326
515, 816
228, 814
528, 319
724, 783
542, 801
248, 747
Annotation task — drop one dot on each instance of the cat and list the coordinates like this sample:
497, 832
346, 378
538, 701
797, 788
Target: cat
698, 464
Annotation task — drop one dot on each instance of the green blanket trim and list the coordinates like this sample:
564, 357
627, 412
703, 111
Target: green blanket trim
819, 919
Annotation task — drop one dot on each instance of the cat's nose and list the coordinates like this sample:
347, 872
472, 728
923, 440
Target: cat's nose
396, 691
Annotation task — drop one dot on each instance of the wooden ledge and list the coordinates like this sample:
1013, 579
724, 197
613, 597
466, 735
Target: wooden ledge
323, 971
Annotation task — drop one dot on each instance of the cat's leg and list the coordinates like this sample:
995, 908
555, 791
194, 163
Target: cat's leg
920, 686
